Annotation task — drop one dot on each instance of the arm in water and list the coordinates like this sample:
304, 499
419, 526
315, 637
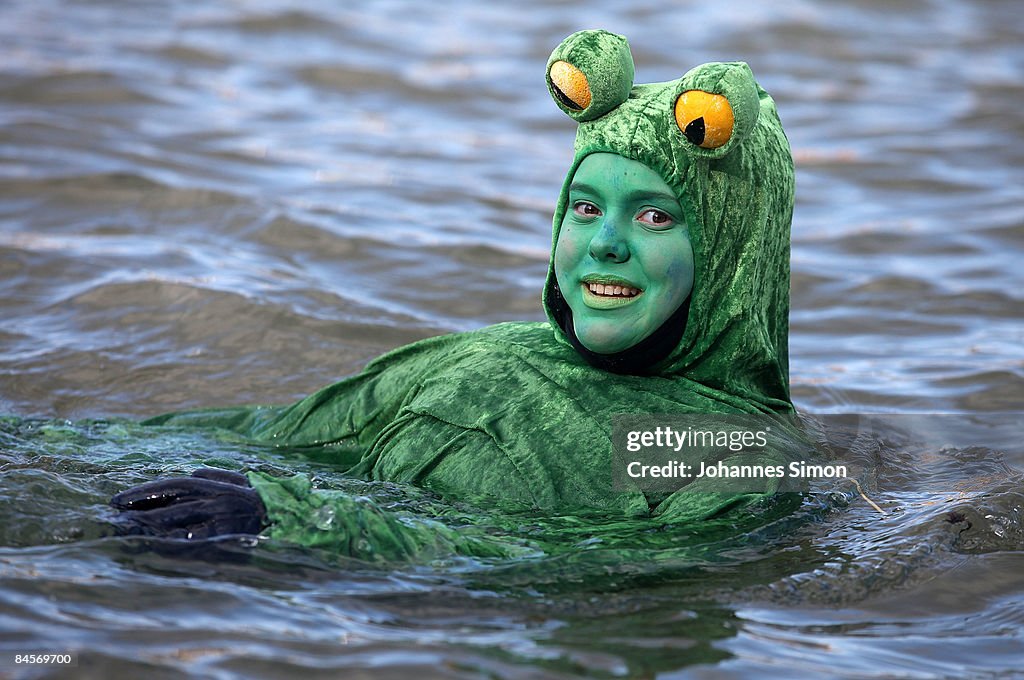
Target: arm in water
214, 503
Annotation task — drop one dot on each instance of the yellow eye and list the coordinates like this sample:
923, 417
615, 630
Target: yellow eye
570, 85
706, 119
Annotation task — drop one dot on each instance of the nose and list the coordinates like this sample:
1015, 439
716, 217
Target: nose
609, 244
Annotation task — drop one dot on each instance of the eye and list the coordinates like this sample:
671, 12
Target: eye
706, 119
570, 85
589, 74
585, 209
656, 218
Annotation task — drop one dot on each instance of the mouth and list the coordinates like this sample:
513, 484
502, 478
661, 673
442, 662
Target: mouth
608, 293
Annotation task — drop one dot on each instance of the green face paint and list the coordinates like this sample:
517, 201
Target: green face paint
623, 259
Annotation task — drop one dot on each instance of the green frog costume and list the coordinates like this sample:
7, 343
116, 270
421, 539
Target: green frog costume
518, 416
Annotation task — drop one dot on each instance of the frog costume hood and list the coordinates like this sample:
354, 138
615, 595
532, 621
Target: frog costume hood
715, 138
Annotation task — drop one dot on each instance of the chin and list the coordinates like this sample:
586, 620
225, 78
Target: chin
603, 343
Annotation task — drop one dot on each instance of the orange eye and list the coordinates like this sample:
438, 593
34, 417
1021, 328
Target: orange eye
570, 85
706, 119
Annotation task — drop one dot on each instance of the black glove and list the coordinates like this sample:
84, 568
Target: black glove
209, 503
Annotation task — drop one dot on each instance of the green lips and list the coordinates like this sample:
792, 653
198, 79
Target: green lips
604, 297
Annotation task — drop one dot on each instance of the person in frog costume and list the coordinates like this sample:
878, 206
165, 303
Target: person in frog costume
667, 292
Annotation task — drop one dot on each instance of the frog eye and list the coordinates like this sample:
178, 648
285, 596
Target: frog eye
590, 74
569, 85
715, 107
706, 119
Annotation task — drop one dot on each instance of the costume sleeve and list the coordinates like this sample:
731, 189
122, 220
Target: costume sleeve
339, 425
354, 526
340, 421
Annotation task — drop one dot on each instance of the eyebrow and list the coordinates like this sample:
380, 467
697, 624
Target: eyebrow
580, 186
636, 195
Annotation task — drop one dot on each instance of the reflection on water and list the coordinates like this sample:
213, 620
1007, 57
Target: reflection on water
234, 203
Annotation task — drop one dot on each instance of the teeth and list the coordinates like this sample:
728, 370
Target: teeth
612, 290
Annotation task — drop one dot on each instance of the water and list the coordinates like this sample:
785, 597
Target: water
218, 203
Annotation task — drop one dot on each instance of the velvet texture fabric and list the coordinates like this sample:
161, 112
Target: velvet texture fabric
512, 416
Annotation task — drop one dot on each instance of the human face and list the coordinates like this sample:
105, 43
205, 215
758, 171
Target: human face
623, 259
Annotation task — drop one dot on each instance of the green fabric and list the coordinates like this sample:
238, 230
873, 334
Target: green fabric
605, 60
511, 416
355, 526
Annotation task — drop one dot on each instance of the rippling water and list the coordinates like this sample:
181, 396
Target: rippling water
226, 202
